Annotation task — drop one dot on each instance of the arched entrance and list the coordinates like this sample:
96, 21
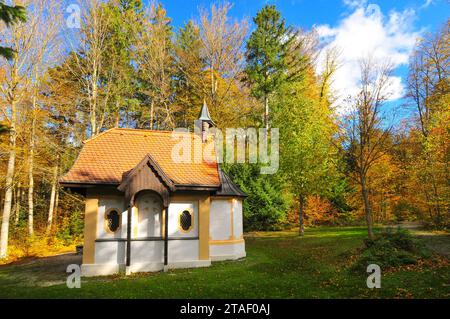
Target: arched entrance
149, 207
147, 176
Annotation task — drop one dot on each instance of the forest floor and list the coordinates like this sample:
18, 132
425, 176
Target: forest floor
278, 265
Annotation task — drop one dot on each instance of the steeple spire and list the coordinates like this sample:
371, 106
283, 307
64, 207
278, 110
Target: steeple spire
204, 122
204, 115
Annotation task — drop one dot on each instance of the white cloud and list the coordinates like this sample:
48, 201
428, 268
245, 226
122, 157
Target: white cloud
426, 4
367, 31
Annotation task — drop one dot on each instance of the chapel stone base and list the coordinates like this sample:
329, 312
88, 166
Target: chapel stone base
91, 270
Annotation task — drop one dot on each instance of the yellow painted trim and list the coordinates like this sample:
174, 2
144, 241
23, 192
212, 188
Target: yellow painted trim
215, 197
90, 230
203, 227
105, 221
226, 242
192, 221
185, 198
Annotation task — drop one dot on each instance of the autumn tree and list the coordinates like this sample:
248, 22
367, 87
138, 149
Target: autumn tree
89, 61
429, 94
307, 156
191, 82
19, 87
222, 41
155, 61
46, 43
14, 83
364, 133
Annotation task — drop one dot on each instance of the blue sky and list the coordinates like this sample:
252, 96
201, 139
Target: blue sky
306, 13
387, 29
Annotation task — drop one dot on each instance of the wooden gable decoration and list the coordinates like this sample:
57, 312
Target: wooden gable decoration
147, 175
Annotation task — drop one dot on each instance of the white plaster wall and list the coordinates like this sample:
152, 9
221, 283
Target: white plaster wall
237, 218
220, 219
175, 209
104, 204
147, 251
110, 252
149, 219
143, 252
153, 251
123, 230
183, 250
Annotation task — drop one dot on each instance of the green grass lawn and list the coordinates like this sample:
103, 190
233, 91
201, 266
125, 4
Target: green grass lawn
278, 265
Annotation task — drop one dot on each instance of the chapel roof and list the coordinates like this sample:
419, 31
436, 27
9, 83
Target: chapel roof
228, 187
107, 157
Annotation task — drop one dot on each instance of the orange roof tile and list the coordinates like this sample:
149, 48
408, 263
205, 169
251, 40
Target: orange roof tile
107, 156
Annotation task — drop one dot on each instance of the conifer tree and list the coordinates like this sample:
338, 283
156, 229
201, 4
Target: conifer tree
269, 55
10, 15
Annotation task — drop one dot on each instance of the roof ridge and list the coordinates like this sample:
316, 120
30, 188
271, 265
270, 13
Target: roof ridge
133, 130
142, 130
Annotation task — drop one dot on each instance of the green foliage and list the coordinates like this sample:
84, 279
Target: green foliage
71, 227
308, 160
391, 249
3, 128
10, 15
118, 72
337, 193
403, 210
266, 205
268, 48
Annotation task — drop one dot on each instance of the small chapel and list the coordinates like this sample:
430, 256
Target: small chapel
145, 211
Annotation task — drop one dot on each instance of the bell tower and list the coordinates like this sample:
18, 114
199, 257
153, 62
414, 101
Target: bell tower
204, 122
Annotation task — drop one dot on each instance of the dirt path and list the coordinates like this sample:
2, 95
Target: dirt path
45, 271
436, 241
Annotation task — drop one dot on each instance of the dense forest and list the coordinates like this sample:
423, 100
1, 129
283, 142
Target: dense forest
122, 64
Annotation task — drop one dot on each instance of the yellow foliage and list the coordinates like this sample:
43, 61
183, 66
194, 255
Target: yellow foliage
36, 246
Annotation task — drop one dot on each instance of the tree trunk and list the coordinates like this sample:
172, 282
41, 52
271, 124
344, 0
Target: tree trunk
17, 204
93, 100
266, 111
117, 122
30, 172
93, 121
52, 197
151, 115
9, 184
301, 212
212, 84
436, 200
427, 199
367, 208
55, 209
